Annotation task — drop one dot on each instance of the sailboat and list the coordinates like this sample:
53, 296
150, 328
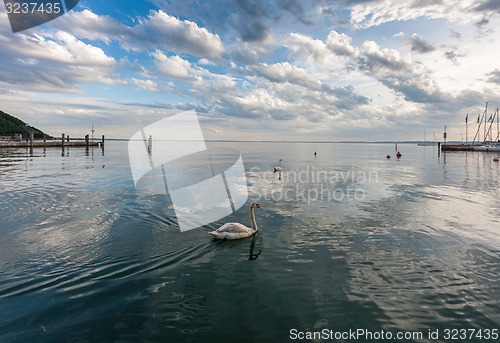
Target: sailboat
428, 143
488, 145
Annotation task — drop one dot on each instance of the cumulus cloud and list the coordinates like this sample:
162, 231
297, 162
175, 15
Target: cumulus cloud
173, 66
494, 76
420, 44
54, 62
408, 79
377, 61
161, 29
404, 77
285, 72
156, 29
336, 55
148, 85
341, 44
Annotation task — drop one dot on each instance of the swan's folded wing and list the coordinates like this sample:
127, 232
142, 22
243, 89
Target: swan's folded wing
233, 228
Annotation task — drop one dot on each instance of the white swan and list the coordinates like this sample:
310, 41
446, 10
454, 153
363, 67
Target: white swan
278, 169
237, 230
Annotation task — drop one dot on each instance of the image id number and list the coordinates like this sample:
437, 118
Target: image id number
33, 7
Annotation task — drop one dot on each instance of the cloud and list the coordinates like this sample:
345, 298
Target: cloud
179, 36
453, 54
377, 61
285, 72
251, 20
86, 24
296, 8
148, 85
340, 45
173, 66
374, 13
494, 76
313, 52
455, 34
404, 77
419, 44
408, 79
488, 5
56, 62
156, 29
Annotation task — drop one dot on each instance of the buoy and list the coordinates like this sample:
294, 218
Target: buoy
388, 156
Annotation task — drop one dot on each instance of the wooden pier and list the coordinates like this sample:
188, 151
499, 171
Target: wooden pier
48, 144
64, 142
456, 147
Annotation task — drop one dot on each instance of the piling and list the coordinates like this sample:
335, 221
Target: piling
102, 143
62, 141
87, 141
31, 139
44, 138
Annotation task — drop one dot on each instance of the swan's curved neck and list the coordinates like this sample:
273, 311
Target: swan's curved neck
254, 222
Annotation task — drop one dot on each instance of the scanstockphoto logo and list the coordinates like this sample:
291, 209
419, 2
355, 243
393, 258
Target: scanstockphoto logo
25, 15
171, 157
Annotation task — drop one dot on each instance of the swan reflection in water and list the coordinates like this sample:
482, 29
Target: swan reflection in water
251, 255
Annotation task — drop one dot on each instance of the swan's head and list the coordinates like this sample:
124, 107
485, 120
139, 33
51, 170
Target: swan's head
255, 205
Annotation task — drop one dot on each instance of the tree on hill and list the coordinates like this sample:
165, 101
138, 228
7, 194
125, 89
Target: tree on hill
10, 125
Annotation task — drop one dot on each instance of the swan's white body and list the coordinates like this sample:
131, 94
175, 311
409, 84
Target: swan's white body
278, 169
237, 230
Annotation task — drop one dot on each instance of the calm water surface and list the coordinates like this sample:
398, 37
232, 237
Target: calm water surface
348, 240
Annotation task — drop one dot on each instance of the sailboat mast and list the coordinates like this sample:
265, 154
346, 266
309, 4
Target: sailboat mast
498, 127
491, 120
485, 115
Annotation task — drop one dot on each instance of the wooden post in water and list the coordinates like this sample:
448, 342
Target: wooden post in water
102, 143
67, 138
62, 141
86, 145
150, 144
31, 139
44, 137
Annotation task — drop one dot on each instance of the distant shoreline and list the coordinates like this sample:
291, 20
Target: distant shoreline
308, 142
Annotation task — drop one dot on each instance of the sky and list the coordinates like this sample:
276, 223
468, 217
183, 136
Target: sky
313, 70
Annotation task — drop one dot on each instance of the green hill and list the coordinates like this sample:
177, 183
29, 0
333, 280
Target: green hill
10, 125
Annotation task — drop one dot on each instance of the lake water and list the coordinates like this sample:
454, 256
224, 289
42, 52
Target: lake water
349, 240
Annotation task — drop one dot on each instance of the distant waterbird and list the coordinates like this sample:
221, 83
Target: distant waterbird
232, 231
